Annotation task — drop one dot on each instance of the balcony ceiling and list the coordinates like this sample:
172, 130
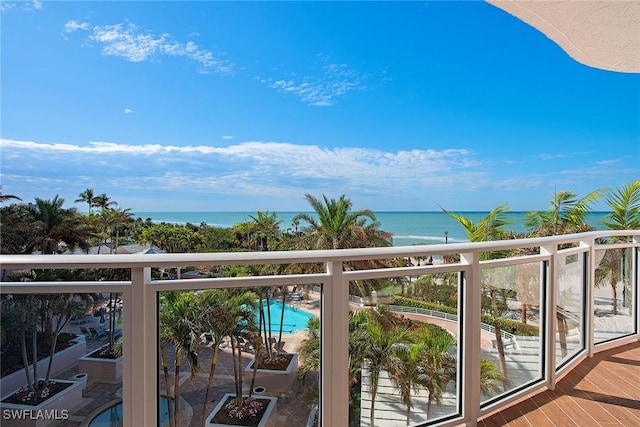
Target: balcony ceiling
601, 34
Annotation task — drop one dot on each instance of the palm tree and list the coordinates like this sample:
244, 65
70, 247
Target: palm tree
88, 197
337, 227
243, 231
566, 215
310, 349
51, 224
406, 380
111, 222
41, 316
5, 197
624, 203
103, 202
436, 366
180, 325
490, 377
378, 339
266, 226
487, 229
223, 312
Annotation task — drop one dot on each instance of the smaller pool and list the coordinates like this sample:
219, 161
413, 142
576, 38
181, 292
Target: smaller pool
295, 319
112, 417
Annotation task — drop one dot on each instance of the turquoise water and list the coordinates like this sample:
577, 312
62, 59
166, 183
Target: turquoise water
112, 417
295, 319
408, 228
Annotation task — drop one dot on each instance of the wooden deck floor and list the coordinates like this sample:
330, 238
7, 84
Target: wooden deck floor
601, 391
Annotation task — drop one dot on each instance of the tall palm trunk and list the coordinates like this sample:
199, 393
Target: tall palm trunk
212, 370
62, 320
284, 301
498, 332
374, 392
25, 356
34, 355
167, 385
614, 289
176, 384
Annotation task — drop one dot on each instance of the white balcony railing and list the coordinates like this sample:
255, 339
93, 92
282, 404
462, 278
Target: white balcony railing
565, 289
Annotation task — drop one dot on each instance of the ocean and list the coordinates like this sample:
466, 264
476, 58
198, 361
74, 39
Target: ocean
408, 228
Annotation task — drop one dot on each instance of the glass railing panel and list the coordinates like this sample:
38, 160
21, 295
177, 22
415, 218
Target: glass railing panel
404, 350
260, 343
77, 338
613, 293
570, 306
512, 329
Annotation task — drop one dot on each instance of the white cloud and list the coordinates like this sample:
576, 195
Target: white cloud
274, 171
33, 6
272, 167
72, 25
128, 111
333, 82
5, 6
128, 41
227, 137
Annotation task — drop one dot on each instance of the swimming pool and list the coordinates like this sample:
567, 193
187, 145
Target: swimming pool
295, 319
112, 416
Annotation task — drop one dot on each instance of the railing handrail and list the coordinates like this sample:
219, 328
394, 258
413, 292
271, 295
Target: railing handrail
140, 315
289, 257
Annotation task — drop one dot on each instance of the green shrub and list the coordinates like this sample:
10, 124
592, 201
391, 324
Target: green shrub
511, 326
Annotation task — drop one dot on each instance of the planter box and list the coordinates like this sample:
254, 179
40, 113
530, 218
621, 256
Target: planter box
54, 409
101, 368
62, 361
269, 418
275, 382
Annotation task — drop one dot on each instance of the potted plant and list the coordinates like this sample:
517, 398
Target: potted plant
239, 408
40, 320
106, 362
272, 367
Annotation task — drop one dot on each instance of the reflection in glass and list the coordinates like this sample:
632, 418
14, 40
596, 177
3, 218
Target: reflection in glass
569, 307
404, 352
613, 295
235, 353
511, 325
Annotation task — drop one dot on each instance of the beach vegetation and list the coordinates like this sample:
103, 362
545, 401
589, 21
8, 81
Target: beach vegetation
614, 265
87, 196
567, 214
50, 225
624, 202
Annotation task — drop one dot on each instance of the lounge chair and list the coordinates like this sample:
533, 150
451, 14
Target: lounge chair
97, 334
207, 339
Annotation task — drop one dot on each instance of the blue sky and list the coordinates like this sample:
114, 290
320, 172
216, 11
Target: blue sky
245, 106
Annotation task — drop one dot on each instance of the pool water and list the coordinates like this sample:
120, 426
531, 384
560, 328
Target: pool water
295, 319
112, 417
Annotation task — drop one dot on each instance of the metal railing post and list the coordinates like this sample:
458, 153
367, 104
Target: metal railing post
335, 349
470, 314
139, 352
550, 314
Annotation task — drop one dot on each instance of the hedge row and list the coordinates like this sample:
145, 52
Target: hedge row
512, 326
